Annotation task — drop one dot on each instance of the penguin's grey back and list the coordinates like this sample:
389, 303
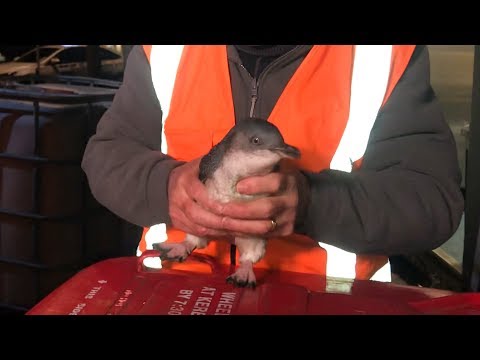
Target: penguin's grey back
211, 161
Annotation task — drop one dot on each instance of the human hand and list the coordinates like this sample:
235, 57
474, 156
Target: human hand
190, 207
287, 199
193, 211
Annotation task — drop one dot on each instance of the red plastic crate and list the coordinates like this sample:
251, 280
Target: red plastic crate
122, 286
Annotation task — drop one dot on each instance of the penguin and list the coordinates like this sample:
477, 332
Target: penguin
252, 147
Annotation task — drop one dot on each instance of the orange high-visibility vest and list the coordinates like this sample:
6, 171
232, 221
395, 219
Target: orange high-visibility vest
327, 110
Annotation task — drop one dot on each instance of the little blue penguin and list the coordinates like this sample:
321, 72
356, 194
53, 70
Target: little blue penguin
252, 147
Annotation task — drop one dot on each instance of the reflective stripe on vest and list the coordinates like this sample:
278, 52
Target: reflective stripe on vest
371, 71
165, 59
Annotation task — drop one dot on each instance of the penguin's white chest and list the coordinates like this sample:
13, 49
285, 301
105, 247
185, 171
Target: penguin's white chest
223, 188
222, 185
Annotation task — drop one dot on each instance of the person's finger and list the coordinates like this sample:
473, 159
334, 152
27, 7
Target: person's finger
184, 224
248, 227
202, 217
266, 184
259, 209
198, 192
285, 224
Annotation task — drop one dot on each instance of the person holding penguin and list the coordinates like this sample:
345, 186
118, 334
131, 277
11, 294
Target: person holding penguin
377, 174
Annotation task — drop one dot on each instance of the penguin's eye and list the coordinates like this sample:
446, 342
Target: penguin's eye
255, 140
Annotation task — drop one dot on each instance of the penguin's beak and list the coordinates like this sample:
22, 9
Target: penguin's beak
289, 151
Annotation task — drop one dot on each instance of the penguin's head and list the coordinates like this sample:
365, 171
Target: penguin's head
258, 144
255, 135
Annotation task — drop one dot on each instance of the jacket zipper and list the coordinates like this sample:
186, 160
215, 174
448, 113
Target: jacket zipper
254, 88
254, 96
253, 91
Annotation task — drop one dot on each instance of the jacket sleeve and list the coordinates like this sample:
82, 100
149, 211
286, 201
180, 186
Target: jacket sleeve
406, 196
126, 170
